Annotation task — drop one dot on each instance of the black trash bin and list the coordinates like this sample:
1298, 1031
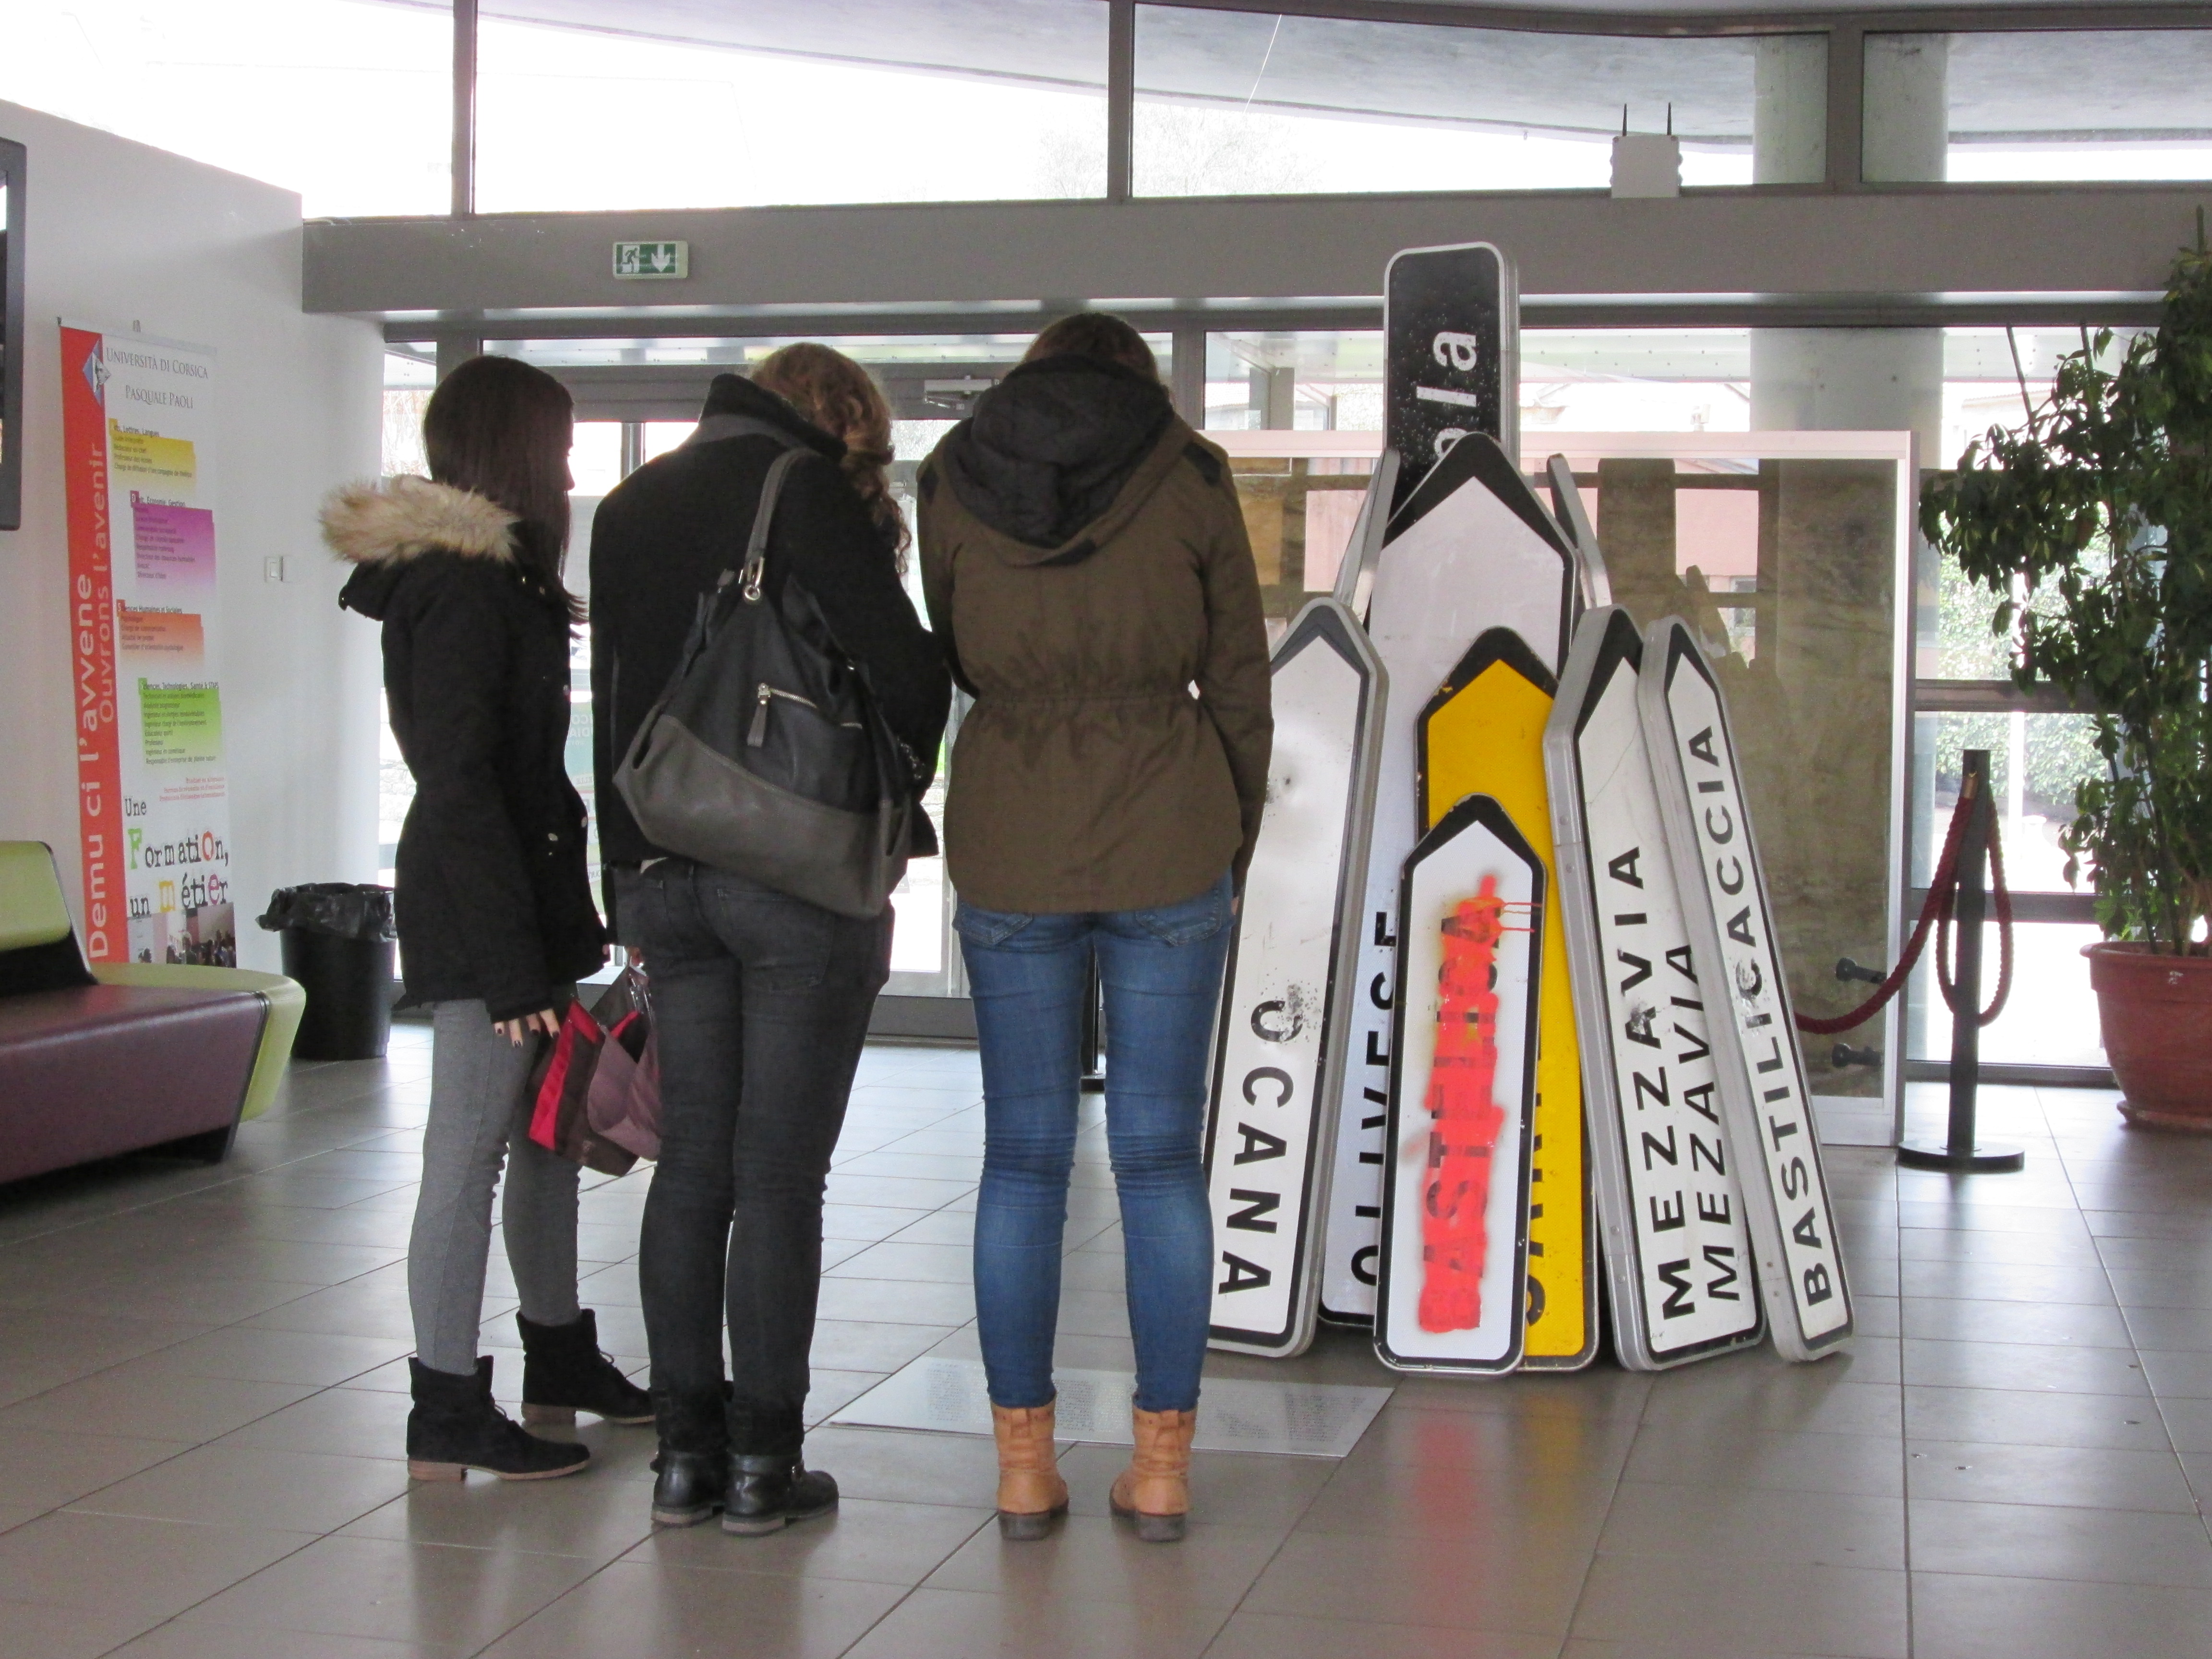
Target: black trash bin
339, 944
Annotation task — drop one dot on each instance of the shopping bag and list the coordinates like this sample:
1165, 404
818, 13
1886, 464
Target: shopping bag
624, 1103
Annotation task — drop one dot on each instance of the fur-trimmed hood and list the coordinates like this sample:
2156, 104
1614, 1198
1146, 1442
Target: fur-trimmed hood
402, 517
383, 527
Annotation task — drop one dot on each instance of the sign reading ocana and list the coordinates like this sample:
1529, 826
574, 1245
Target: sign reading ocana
1453, 1291
1279, 1061
1483, 733
1677, 1242
1764, 1100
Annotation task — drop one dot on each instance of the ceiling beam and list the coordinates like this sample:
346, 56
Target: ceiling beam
1811, 252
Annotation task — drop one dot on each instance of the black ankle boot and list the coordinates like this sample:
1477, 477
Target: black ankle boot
454, 1428
771, 1486
563, 1372
693, 1463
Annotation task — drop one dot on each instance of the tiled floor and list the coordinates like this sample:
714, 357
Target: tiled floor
202, 1401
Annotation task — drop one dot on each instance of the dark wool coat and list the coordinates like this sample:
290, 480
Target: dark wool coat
493, 901
666, 533
1087, 571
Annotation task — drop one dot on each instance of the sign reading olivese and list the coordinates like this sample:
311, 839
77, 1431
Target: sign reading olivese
1766, 1106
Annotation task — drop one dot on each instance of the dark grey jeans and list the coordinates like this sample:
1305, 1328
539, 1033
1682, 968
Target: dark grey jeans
761, 1003
480, 1118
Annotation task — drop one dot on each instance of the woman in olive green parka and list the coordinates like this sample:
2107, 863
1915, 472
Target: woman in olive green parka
1088, 575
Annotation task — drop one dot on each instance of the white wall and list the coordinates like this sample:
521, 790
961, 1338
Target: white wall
123, 237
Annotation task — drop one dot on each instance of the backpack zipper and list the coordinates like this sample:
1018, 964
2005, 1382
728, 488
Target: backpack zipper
757, 734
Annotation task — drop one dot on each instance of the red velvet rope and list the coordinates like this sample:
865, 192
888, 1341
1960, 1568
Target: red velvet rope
1942, 894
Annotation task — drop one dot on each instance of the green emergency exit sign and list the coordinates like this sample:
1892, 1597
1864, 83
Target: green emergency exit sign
665, 261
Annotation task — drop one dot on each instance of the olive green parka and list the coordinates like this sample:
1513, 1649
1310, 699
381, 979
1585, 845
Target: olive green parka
1087, 573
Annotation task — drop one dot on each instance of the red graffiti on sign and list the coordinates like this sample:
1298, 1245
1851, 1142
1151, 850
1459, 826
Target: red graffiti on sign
1462, 1103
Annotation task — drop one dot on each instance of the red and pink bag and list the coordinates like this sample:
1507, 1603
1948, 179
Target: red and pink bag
598, 1087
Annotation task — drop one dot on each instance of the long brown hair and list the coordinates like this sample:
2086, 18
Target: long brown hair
1098, 334
500, 428
839, 396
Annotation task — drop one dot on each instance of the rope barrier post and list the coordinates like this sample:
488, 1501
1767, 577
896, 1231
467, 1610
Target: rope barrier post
1961, 1153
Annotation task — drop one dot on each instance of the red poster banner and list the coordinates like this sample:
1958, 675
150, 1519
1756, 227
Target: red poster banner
91, 638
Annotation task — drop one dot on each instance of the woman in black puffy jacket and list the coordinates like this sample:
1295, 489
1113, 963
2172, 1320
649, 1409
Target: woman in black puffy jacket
496, 922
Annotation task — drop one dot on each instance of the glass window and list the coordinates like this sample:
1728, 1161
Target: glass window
1253, 103
2057, 104
2049, 1019
349, 102
593, 104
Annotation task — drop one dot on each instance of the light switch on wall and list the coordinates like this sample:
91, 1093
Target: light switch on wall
276, 569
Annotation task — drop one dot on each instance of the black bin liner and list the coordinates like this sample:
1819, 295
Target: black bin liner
338, 944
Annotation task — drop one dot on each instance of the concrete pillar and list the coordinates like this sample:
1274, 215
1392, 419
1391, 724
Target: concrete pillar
1789, 110
1907, 118
1274, 392
1849, 379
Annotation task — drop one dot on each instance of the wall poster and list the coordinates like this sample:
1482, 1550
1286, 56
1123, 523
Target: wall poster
153, 799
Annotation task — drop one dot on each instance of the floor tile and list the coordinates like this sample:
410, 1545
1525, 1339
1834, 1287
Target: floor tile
2042, 1368
127, 1564
43, 1468
183, 1641
1755, 1525
2084, 1477
31, 1630
2022, 1417
1845, 1611
589, 1516
156, 1407
1714, 1455
424, 1593
638, 1607
939, 1624
2052, 1542
1277, 1636
863, 1539
1961, 1617
252, 1486
1512, 1584
346, 1422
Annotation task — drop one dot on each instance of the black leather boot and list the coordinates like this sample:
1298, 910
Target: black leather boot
455, 1427
693, 1463
771, 1486
563, 1372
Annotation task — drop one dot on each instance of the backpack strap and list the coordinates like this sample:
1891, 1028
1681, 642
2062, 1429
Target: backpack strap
755, 559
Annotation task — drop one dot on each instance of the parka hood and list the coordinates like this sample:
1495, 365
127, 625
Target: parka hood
735, 406
379, 526
1056, 454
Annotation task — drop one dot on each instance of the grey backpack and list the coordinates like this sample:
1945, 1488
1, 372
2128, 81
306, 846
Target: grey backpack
767, 754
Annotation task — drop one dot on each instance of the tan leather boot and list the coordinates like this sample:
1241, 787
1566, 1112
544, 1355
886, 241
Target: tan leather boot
1154, 1490
1032, 1494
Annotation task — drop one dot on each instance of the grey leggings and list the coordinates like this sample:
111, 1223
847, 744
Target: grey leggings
479, 1109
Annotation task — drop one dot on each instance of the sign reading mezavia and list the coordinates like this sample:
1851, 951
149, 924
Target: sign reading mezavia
1677, 1242
1278, 1060
1765, 1102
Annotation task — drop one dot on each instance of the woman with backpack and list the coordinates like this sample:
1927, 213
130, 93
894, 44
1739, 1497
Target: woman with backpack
760, 998
494, 902
1088, 573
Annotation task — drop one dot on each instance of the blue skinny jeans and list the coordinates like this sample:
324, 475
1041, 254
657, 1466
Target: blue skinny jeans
1162, 969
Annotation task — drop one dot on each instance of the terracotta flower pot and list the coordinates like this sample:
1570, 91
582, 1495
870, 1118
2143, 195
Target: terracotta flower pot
2157, 1016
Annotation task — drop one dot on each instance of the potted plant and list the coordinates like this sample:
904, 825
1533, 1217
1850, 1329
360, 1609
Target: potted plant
2092, 525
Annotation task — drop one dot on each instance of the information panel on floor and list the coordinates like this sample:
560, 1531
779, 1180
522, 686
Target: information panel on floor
1279, 1061
1483, 733
1765, 1102
1677, 1245
1472, 549
1462, 1089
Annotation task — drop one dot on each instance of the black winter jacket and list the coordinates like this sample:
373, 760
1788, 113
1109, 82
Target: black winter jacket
493, 901
665, 532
